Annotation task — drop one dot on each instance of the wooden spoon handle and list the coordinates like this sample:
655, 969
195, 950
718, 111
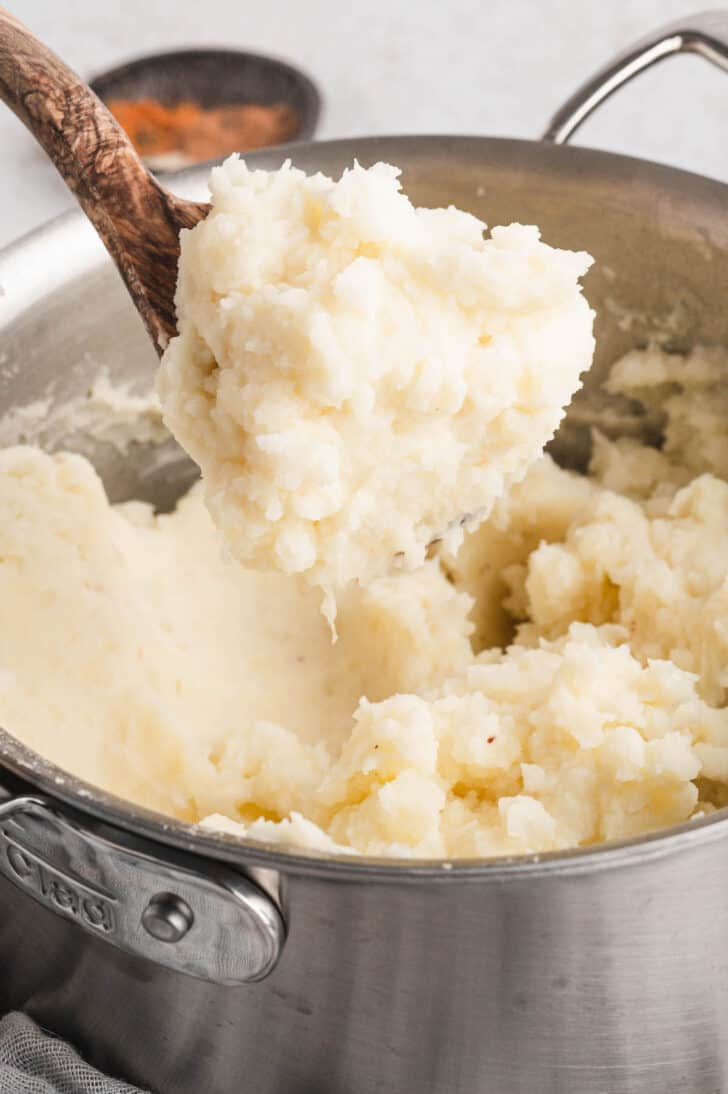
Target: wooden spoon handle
136, 218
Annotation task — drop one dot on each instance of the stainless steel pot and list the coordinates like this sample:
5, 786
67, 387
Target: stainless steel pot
161, 950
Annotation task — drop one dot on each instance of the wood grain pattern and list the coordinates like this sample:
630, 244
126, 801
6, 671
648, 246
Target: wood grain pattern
138, 220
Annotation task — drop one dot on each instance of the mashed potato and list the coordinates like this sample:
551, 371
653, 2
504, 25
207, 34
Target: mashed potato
559, 681
354, 374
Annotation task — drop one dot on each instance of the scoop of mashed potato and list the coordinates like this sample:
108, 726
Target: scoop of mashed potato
353, 374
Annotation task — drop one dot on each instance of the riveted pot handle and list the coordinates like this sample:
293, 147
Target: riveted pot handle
705, 34
187, 913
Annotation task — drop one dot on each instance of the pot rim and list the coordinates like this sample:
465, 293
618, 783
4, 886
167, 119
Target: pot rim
85, 798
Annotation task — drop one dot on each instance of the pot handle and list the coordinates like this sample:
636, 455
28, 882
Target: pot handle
173, 908
705, 34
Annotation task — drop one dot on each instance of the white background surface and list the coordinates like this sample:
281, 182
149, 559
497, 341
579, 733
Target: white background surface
496, 67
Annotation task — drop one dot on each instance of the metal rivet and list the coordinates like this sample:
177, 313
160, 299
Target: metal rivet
167, 917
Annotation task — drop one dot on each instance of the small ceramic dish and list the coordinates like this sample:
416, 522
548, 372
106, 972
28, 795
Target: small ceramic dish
212, 79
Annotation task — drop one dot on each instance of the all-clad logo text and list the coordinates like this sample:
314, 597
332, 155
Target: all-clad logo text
28, 869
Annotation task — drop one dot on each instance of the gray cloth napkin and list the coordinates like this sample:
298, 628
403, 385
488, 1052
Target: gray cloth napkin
33, 1062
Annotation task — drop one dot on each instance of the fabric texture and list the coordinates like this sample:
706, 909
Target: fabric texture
34, 1062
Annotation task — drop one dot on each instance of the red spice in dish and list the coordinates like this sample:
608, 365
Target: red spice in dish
197, 133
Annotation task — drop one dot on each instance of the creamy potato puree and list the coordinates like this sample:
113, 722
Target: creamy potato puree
559, 681
134, 654
354, 374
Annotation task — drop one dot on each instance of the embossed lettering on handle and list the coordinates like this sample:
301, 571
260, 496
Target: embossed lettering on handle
91, 905
192, 915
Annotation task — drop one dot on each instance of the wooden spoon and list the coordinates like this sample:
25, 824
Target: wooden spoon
138, 220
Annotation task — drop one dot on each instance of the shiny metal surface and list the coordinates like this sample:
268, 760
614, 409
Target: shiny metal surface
167, 917
592, 972
705, 34
194, 916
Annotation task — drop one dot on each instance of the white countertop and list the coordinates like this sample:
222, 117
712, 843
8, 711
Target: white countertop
463, 66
